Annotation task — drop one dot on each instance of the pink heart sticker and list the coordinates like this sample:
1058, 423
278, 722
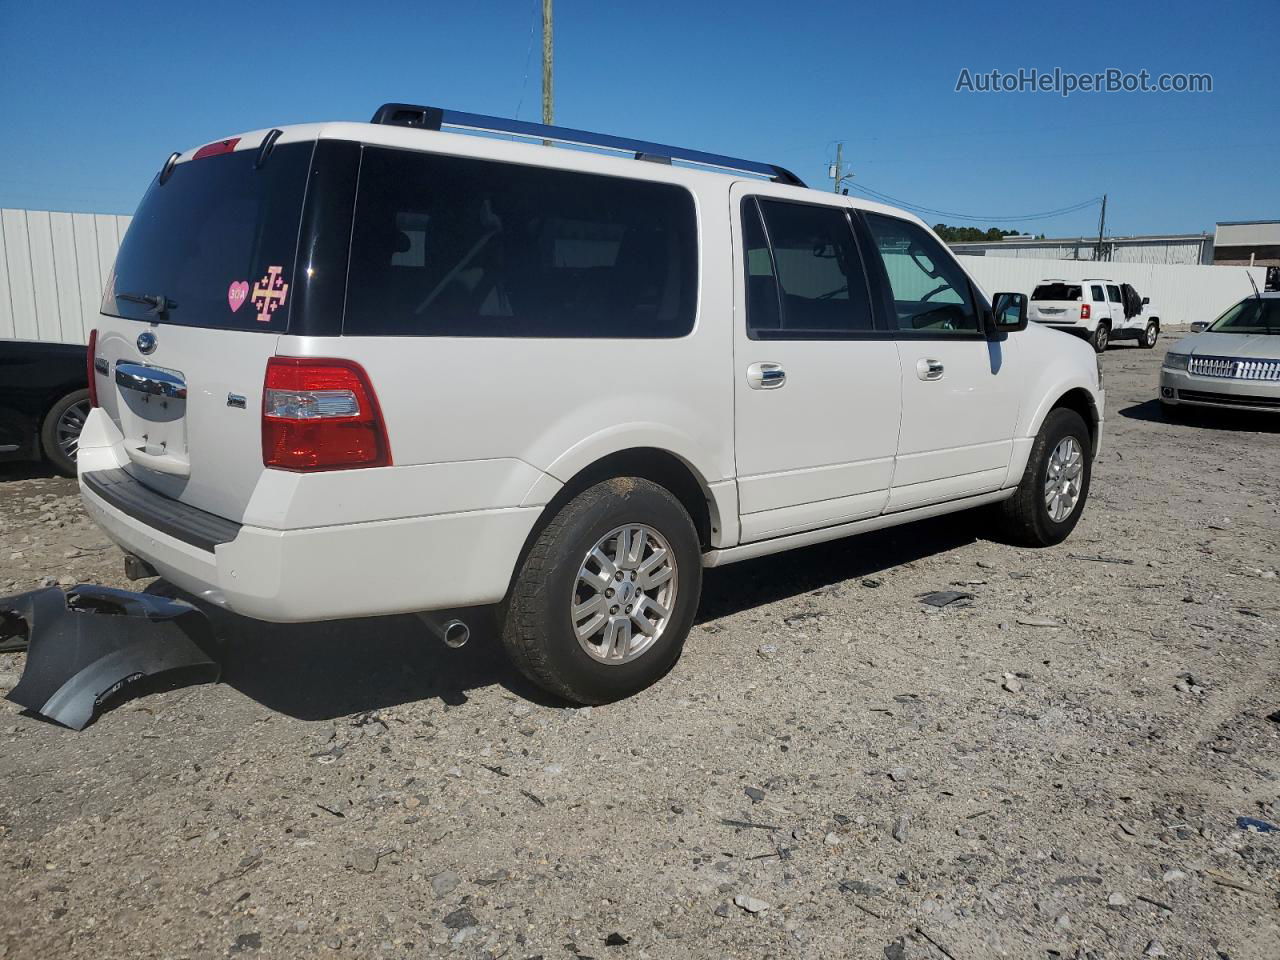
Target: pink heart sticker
237, 293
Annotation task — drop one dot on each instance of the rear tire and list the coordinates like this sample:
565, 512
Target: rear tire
545, 632
1101, 337
60, 432
1026, 518
1150, 336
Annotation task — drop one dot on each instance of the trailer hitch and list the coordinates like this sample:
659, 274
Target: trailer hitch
87, 645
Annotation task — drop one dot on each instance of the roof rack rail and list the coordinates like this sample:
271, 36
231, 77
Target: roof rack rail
433, 118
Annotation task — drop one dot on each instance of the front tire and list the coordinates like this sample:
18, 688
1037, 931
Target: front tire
60, 432
1150, 335
1101, 337
1055, 485
606, 595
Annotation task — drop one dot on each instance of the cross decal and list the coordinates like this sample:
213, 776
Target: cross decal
269, 294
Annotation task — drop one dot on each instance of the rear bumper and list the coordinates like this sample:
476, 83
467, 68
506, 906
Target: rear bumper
321, 573
1179, 387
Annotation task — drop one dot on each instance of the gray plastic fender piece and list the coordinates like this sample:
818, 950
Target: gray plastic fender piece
87, 645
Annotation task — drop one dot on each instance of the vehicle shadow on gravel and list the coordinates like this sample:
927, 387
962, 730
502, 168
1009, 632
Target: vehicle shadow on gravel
1248, 421
320, 671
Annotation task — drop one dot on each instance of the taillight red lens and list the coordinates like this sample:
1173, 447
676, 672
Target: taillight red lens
321, 414
90, 353
1084, 311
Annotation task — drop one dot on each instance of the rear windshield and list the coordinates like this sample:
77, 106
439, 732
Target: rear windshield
1056, 291
214, 245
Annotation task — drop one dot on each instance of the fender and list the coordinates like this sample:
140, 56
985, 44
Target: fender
717, 484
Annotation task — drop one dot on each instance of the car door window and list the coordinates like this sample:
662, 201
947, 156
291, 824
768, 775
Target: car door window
1098, 295
1113, 293
804, 274
931, 294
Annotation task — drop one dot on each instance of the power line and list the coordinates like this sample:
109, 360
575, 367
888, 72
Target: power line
920, 208
528, 55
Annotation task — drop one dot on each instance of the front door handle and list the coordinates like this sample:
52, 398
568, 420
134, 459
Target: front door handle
766, 376
929, 369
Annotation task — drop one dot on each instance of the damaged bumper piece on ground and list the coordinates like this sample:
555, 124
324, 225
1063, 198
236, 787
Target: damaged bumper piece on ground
88, 644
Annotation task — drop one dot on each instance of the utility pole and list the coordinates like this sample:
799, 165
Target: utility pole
1102, 226
836, 172
548, 78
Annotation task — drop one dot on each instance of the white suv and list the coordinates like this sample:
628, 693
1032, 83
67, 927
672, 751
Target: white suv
1097, 309
349, 369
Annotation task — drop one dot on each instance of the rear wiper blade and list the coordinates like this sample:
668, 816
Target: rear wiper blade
158, 302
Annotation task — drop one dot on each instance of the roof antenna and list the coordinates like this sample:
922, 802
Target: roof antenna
1253, 283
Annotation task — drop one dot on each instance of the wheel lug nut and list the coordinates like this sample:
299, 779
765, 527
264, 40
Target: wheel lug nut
618, 575
613, 610
628, 609
609, 592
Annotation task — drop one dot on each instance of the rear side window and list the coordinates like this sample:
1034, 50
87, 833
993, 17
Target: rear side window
805, 279
931, 294
1061, 291
452, 246
1098, 296
217, 241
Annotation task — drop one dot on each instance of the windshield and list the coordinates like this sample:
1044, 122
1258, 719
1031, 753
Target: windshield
214, 245
1255, 315
1056, 291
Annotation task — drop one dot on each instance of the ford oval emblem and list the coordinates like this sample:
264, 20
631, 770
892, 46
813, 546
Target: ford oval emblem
146, 342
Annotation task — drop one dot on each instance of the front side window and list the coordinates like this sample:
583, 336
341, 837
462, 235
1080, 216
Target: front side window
1113, 293
452, 246
931, 294
805, 279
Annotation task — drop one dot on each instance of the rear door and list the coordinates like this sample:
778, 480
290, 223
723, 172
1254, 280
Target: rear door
816, 385
1116, 304
960, 391
205, 281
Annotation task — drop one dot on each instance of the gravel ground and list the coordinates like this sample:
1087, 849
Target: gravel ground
832, 769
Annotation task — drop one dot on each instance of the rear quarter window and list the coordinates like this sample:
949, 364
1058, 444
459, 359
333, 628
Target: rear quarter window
454, 246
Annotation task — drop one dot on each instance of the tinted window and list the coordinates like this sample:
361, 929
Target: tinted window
811, 269
1060, 291
930, 291
1098, 296
217, 240
1113, 292
447, 246
762, 285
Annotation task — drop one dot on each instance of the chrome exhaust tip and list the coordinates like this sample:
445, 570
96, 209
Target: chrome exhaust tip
455, 634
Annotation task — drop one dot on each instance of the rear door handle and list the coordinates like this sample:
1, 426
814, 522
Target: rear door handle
766, 376
929, 369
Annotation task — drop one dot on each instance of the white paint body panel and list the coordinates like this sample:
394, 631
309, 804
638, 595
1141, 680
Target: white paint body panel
484, 432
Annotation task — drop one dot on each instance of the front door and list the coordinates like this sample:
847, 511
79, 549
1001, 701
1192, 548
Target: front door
816, 385
959, 390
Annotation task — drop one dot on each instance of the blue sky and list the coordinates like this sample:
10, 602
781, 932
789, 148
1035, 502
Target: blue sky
96, 96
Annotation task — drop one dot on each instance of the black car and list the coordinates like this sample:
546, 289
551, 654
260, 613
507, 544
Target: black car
43, 401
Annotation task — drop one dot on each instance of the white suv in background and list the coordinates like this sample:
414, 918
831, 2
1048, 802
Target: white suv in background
1098, 309
349, 369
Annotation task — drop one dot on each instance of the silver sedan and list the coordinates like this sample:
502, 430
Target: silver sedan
1234, 363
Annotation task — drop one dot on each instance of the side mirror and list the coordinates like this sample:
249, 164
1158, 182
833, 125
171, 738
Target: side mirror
1008, 313
1145, 301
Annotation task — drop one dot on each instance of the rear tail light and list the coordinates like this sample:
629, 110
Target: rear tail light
91, 354
1084, 311
321, 414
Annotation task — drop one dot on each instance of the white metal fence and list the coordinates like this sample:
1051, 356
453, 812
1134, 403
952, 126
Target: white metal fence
1180, 293
52, 270
53, 267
